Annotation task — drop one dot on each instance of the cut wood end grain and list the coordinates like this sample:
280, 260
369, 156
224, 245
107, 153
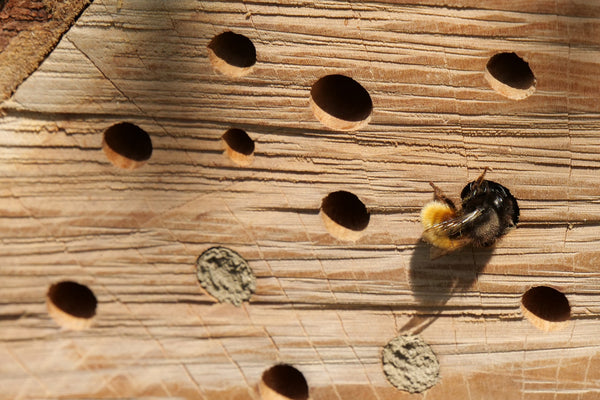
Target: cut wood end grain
336, 123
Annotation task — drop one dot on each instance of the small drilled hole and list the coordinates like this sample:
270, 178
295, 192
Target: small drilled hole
232, 54
127, 145
344, 215
283, 381
546, 308
71, 305
239, 147
341, 103
510, 75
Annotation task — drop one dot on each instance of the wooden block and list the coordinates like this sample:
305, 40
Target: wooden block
322, 303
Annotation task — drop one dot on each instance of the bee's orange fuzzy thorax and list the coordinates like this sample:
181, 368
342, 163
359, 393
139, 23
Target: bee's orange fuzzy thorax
432, 214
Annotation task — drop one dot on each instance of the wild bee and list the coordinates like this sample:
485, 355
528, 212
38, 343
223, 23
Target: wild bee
488, 211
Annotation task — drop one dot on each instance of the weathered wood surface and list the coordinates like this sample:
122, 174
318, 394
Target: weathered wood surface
323, 305
29, 30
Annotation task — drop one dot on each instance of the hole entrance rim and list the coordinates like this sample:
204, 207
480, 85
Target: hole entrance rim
546, 308
510, 75
232, 54
127, 145
286, 381
239, 146
340, 102
72, 305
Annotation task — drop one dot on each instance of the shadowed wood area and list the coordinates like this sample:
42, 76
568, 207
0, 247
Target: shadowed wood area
29, 30
325, 306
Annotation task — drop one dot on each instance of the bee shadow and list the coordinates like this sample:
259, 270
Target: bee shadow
434, 282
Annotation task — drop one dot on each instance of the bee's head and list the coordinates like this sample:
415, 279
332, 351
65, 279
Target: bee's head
477, 189
483, 193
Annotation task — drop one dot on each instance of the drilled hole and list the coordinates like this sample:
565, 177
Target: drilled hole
409, 364
239, 147
232, 54
127, 145
225, 275
510, 75
283, 381
341, 103
71, 305
344, 215
546, 308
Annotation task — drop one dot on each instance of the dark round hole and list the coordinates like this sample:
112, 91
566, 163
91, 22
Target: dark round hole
546, 305
343, 98
511, 70
235, 49
239, 141
127, 145
346, 209
287, 381
73, 298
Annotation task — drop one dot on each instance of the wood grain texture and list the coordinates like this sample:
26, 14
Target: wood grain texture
323, 305
29, 30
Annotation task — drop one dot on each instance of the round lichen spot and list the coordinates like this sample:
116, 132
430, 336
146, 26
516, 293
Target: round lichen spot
344, 215
409, 364
546, 308
225, 275
509, 75
239, 147
283, 382
71, 305
126, 145
232, 54
341, 103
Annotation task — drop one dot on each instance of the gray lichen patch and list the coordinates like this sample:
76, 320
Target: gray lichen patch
225, 275
409, 364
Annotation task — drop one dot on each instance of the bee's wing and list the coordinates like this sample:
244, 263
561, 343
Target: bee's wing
454, 226
446, 236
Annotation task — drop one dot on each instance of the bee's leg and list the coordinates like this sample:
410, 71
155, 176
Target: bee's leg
438, 194
435, 253
480, 179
